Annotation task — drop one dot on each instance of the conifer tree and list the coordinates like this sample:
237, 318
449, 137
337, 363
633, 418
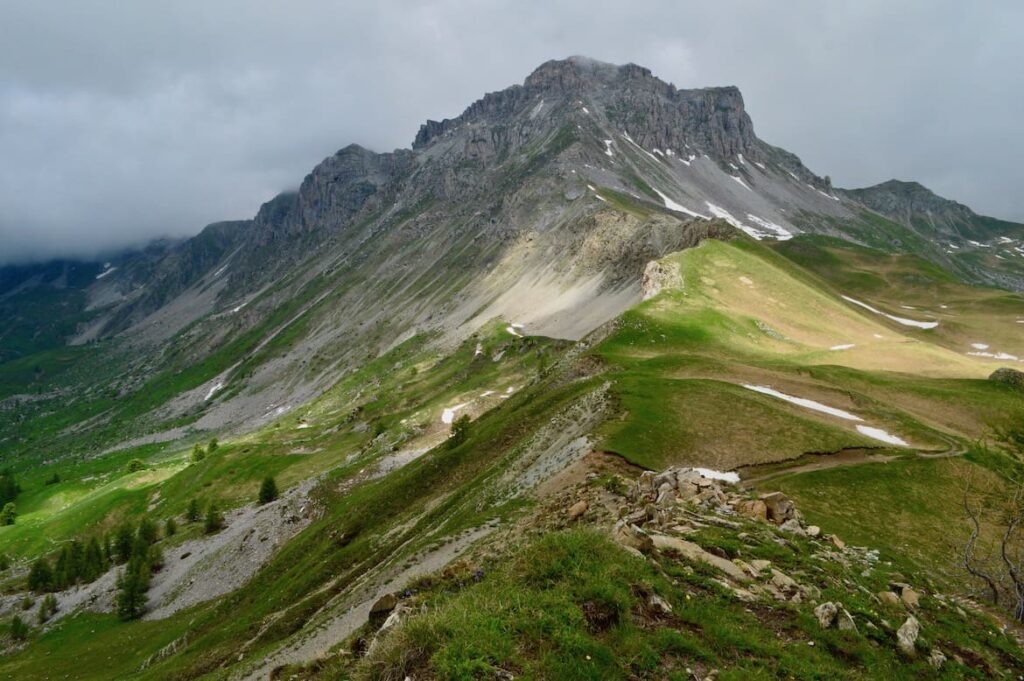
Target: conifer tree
214, 519
268, 490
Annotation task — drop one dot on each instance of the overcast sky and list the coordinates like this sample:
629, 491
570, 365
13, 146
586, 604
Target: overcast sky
123, 121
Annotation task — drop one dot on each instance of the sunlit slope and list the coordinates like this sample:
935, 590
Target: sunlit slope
905, 285
736, 315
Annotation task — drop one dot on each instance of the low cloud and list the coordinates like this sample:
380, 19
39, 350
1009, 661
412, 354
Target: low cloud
121, 122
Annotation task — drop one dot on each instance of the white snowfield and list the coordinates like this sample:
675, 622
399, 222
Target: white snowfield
514, 328
105, 272
900, 320
845, 346
869, 431
979, 346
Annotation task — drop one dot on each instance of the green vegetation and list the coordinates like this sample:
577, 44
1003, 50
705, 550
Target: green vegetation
214, 521
573, 605
9, 514
460, 431
268, 490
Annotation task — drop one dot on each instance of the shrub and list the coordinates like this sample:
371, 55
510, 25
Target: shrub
9, 514
460, 431
53, 479
136, 465
192, 514
170, 527
198, 453
19, 630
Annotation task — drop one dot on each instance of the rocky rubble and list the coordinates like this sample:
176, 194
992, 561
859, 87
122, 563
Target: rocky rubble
665, 509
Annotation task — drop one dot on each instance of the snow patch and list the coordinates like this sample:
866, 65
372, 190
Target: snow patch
672, 205
537, 109
901, 320
608, 148
996, 355
514, 330
718, 475
740, 180
979, 346
802, 402
782, 233
448, 415
881, 435
106, 271
845, 346
213, 390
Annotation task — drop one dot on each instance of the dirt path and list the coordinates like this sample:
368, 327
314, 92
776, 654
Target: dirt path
859, 457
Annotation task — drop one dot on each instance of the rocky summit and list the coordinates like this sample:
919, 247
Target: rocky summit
588, 382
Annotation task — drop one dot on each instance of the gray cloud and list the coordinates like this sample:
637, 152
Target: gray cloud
120, 122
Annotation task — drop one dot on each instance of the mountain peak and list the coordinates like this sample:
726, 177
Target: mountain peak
576, 71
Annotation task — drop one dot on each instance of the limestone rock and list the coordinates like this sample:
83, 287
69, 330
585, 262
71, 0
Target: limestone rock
906, 635
659, 604
909, 597
693, 552
844, 620
888, 598
384, 604
578, 509
793, 527
779, 507
937, 658
826, 614
753, 508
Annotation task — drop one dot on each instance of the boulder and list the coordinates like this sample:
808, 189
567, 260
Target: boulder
937, 658
888, 598
384, 604
793, 527
906, 636
836, 542
909, 597
813, 531
631, 536
826, 614
694, 552
578, 509
753, 508
784, 582
779, 507
659, 604
844, 620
